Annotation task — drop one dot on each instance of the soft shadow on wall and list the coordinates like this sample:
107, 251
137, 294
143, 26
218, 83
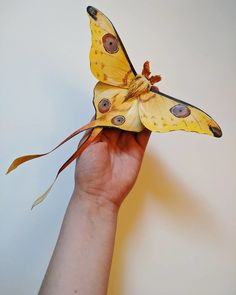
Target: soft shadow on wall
183, 208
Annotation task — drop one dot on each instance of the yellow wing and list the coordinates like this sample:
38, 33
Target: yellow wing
162, 113
109, 61
112, 110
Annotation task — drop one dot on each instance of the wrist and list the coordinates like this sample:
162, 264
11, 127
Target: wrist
95, 205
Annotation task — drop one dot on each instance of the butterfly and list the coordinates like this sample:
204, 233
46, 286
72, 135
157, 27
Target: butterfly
124, 99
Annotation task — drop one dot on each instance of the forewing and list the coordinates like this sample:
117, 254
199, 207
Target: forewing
109, 61
162, 113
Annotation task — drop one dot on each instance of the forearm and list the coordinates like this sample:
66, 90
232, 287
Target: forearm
82, 257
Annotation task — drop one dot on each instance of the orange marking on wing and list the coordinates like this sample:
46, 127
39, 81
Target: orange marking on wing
125, 79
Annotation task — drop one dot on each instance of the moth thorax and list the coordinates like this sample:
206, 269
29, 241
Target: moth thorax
138, 86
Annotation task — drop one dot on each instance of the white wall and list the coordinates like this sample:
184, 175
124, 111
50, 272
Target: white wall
177, 230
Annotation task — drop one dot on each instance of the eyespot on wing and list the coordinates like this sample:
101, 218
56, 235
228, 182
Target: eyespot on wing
110, 43
118, 120
180, 111
104, 105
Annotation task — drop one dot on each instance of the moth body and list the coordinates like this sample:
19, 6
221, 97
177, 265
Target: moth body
140, 85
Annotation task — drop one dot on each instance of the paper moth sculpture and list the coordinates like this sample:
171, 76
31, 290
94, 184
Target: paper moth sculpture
126, 100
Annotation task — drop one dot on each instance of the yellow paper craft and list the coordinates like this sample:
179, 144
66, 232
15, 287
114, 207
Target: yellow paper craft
126, 100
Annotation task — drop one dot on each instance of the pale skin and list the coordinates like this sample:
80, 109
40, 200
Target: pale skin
104, 175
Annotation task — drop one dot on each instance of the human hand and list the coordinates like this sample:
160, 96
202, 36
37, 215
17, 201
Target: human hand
106, 171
